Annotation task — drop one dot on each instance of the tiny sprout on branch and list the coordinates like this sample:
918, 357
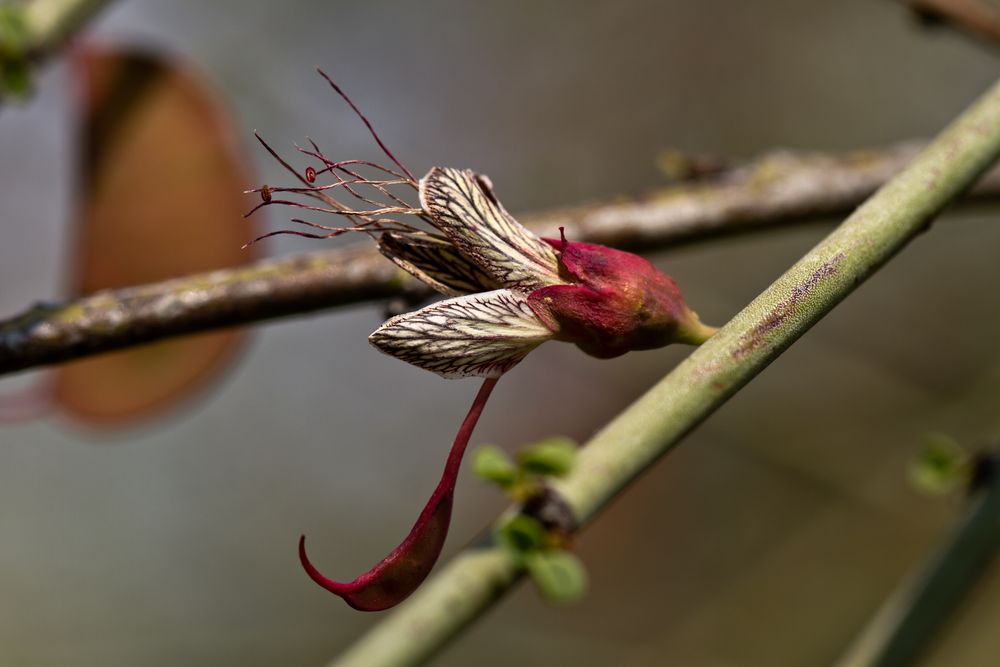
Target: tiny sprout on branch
539, 535
941, 466
509, 291
525, 479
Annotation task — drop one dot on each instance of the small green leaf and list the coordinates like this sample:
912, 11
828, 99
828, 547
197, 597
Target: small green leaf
15, 79
14, 35
941, 466
553, 456
15, 70
521, 534
559, 575
492, 464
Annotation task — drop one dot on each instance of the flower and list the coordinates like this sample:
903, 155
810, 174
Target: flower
518, 291
509, 291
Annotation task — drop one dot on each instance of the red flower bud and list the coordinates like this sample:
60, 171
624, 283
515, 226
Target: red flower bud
616, 302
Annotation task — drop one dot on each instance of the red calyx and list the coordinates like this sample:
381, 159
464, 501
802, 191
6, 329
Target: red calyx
616, 302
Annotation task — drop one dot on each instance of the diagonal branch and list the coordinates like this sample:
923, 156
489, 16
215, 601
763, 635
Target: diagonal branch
910, 618
776, 189
654, 424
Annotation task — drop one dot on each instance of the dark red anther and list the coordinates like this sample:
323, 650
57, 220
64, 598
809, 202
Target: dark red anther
265, 194
310, 175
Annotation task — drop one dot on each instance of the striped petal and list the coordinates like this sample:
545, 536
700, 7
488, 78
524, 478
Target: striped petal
433, 259
464, 208
482, 335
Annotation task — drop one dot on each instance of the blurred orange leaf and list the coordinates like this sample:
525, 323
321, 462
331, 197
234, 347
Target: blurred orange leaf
159, 196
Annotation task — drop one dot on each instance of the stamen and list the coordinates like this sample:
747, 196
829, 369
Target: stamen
371, 129
289, 168
349, 177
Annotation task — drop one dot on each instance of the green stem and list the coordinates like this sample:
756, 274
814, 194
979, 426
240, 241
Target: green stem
908, 620
656, 422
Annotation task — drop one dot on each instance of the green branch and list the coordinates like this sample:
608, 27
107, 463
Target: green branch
655, 423
909, 619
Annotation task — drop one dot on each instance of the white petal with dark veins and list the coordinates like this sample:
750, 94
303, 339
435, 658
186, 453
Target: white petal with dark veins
434, 260
464, 208
482, 335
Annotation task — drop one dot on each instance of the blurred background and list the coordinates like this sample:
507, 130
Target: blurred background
766, 539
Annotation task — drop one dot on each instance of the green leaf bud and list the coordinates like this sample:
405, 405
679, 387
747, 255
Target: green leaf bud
552, 456
493, 465
559, 575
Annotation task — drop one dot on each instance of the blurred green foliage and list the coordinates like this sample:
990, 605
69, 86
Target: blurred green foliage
15, 68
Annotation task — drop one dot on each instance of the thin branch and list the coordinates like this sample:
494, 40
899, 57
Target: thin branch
909, 620
974, 17
112, 319
654, 424
776, 189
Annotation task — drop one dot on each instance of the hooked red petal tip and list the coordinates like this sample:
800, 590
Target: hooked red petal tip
317, 576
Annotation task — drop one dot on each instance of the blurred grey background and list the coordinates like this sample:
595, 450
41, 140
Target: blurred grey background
765, 540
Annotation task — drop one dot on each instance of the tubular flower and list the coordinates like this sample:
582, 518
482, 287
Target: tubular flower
509, 291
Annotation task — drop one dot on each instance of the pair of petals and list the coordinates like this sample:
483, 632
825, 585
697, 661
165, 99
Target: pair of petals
475, 335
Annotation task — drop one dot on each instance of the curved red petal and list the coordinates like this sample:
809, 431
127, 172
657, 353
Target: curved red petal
397, 575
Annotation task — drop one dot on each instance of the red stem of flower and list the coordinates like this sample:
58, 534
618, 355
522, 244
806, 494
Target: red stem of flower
400, 573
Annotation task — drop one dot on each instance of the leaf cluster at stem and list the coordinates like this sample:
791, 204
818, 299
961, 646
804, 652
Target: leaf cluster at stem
538, 535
